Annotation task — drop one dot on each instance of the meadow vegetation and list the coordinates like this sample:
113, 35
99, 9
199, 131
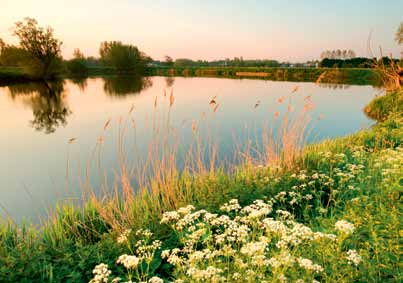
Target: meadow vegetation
328, 212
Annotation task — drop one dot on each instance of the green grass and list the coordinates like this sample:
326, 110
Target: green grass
380, 107
360, 181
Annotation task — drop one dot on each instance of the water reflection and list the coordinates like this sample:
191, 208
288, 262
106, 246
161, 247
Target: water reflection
81, 82
334, 86
47, 101
233, 126
169, 81
121, 86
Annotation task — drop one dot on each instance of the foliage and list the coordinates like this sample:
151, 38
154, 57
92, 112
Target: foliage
125, 58
12, 56
43, 58
338, 54
2, 44
169, 62
235, 62
78, 65
358, 62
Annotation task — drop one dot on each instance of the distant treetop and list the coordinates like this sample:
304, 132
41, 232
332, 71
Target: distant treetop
338, 54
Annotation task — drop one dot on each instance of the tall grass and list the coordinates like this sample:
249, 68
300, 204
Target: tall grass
173, 174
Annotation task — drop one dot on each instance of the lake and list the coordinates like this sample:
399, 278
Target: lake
51, 134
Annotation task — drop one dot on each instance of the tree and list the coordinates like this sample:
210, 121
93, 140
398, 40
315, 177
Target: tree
350, 54
184, 62
169, 61
2, 44
11, 55
338, 54
399, 34
77, 66
77, 54
43, 49
125, 58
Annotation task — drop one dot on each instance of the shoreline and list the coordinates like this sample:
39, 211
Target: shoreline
353, 76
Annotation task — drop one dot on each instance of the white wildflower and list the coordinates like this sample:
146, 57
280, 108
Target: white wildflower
309, 265
124, 236
101, 274
353, 257
155, 279
344, 227
253, 248
232, 205
169, 216
165, 253
128, 261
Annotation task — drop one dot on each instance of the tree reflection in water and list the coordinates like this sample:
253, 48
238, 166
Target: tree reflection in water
47, 101
80, 82
169, 81
121, 86
334, 85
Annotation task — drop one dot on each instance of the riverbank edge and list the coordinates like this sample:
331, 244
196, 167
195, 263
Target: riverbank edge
353, 76
357, 76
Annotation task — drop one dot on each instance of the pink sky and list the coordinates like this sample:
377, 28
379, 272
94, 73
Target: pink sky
282, 30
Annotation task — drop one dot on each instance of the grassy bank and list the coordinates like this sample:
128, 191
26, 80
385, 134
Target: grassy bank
380, 107
12, 75
325, 75
9, 75
333, 215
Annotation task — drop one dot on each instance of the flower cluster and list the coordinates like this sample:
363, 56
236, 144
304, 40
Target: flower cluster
143, 255
128, 261
101, 274
353, 257
249, 243
124, 236
344, 227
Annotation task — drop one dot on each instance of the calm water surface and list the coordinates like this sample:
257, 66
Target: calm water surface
35, 126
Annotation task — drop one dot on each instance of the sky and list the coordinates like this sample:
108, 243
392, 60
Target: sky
285, 30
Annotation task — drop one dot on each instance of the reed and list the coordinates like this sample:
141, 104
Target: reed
174, 173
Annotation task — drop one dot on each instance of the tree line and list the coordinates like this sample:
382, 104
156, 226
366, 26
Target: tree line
359, 62
39, 54
227, 62
338, 54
